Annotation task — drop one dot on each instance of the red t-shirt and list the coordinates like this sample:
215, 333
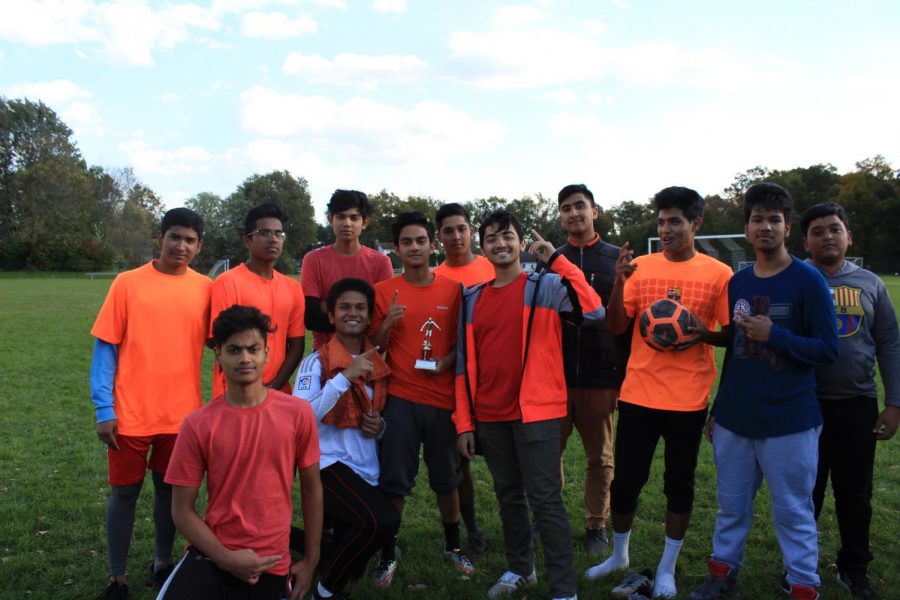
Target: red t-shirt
439, 301
323, 267
281, 298
497, 327
249, 456
159, 322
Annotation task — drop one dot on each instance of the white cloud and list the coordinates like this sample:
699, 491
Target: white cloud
2, 54
169, 98
622, 4
45, 22
147, 159
331, 3
276, 25
50, 92
84, 119
362, 129
596, 26
359, 70
394, 6
562, 96
517, 14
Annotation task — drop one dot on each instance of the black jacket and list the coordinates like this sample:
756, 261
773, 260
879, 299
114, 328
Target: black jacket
592, 356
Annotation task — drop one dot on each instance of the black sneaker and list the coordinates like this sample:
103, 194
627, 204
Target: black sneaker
156, 578
722, 580
116, 590
596, 541
858, 584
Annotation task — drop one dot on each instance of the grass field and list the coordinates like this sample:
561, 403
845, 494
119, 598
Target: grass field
53, 483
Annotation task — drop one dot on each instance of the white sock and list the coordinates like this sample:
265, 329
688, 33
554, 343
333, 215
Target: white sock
617, 561
323, 591
664, 586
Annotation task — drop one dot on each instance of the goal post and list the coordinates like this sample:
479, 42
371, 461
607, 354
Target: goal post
220, 267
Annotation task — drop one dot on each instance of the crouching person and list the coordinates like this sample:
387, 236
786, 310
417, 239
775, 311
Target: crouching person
248, 443
345, 382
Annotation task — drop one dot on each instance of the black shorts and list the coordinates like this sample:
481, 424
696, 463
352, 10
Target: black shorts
196, 577
637, 434
409, 426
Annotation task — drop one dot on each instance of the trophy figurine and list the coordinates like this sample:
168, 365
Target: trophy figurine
426, 363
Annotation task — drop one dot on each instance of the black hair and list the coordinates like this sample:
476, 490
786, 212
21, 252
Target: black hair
823, 209
769, 196
571, 190
264, 211
236, 319
182, 217
503, 219
412, 217
688, 201
452, 209
350, 284
342, 200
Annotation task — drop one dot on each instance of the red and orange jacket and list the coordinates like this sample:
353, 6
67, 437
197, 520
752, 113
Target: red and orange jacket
548, 298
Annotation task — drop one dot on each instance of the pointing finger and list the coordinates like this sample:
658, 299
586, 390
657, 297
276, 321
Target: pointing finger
537, 235
396, 295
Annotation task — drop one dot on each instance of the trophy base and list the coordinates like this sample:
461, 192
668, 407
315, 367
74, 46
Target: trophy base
426, 365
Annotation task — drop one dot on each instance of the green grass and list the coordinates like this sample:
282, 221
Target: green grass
53, 483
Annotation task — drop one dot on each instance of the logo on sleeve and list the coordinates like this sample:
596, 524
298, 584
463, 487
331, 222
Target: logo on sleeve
304, 382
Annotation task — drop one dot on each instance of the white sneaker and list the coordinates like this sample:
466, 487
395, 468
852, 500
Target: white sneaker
575, 597
510, 582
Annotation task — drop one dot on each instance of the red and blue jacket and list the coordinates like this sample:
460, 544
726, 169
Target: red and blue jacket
548, 299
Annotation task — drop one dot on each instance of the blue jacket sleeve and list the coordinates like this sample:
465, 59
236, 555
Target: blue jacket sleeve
103, 375
821, 346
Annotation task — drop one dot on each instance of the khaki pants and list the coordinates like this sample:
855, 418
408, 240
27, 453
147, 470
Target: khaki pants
591, 412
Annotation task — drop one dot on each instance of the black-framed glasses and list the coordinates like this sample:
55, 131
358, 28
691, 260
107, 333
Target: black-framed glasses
269, 234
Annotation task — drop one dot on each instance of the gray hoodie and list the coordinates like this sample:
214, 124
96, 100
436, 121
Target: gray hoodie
867, 326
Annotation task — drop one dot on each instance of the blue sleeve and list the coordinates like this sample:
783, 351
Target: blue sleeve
103, 375
821, 346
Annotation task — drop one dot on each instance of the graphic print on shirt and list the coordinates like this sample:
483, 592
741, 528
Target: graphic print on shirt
760, 305
848, 308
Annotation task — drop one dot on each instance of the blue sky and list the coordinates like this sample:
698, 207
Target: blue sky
460, 100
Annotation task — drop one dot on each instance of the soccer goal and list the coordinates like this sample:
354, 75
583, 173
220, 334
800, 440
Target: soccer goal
220, 267
856, 260
732, 249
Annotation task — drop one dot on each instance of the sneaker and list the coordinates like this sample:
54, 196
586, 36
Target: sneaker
116, 590
510, 582
334, 596
384, 573
476, 545
858, 584
156, 578
632, 584
797, 591
596, 541
722, 579
460, 561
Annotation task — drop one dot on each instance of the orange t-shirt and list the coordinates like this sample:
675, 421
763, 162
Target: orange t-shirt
280, 297
477, 271
159, 322
438, 300
676, 380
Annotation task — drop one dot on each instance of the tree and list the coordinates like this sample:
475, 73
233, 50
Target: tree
277, 187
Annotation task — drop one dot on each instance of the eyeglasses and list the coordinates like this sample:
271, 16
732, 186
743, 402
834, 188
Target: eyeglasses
268, 234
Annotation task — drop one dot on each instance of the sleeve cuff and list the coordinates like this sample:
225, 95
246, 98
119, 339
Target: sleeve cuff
105, 413
341, 383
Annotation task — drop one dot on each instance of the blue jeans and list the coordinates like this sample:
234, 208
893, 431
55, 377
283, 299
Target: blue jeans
788, 465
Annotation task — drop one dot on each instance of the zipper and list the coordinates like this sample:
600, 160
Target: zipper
578, 329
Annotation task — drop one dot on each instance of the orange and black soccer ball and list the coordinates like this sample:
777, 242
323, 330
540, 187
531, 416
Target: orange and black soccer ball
665, 324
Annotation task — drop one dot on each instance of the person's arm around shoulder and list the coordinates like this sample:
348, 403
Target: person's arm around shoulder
303, 570
887, 350
616, 319
244, 564
103, 375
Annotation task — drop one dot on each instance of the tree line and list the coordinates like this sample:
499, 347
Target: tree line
59, 213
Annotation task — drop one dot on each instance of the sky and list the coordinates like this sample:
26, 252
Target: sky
463, 99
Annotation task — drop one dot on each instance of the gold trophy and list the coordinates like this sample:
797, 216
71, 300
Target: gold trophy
427, 363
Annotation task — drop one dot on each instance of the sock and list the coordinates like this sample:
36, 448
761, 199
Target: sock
468, 516
617, 561
664, 586
323, 591
163, 524
119, 524
451, 536
389, 550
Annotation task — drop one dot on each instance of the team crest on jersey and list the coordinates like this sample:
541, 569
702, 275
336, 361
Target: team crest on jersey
674, 293
304, 382
848, 309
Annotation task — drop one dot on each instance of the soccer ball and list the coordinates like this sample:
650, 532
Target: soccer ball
665, 323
